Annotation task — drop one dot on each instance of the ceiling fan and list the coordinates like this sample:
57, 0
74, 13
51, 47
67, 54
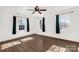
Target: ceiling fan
36, 9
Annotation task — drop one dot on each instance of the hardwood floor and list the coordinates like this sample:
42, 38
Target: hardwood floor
38, 43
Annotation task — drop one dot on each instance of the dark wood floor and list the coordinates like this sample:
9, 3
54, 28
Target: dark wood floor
38, 43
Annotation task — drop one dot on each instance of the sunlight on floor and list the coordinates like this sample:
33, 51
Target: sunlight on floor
7, 45
55, 48
14, 43
27, 39
78, 49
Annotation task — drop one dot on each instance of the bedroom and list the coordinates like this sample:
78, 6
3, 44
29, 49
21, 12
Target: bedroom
41, 27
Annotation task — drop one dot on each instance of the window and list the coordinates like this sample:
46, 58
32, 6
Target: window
21, 27
22, 24
64, 21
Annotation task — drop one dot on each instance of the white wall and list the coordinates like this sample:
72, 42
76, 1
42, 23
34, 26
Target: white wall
6, 24
50, 21
71, 34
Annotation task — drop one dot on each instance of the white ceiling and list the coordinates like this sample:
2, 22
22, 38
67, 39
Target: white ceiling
23, 9
53, 8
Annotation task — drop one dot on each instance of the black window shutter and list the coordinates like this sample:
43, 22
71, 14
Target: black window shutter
57, 24
28, 29
43, 25
14, 25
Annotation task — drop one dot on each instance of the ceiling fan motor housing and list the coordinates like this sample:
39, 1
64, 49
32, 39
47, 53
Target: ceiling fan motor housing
36, 8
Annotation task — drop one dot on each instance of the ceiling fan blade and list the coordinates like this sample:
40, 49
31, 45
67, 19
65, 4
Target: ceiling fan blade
39, 12
42, 10
30, 9
33, 12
